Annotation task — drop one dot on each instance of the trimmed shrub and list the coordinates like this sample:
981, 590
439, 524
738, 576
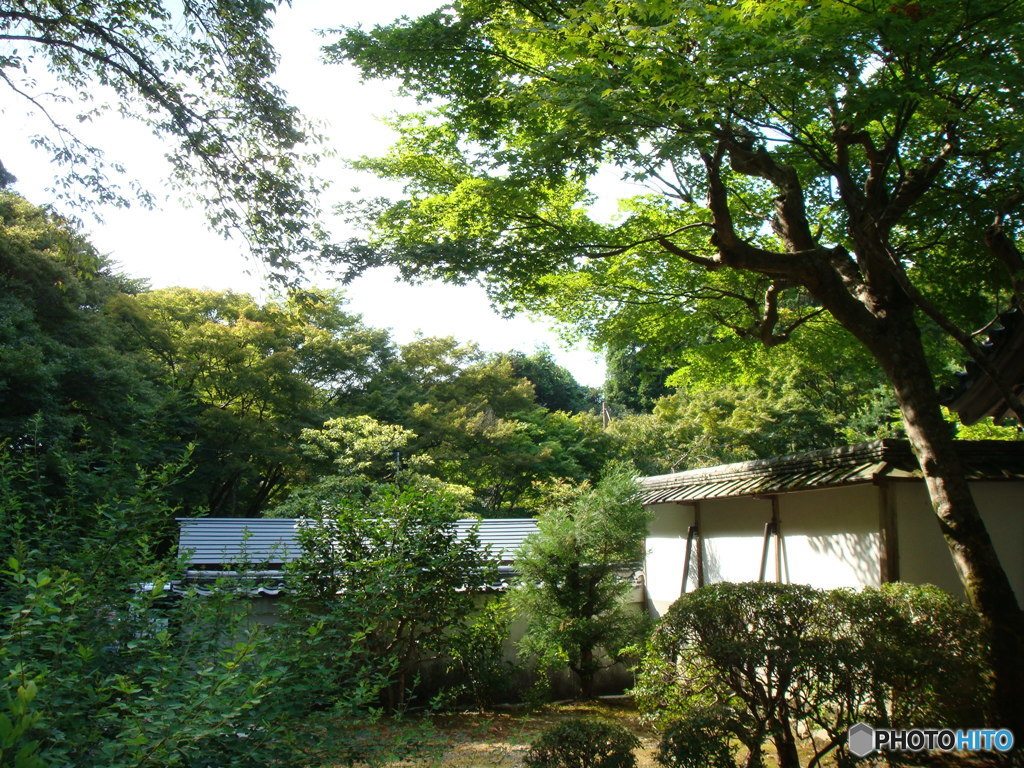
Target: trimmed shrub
583, 743
700, 741
767, 657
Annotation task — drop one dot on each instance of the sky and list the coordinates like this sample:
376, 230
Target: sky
173, 246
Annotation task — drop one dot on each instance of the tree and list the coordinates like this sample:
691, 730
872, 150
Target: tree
553, 385
386, 577
478, 420
484, 429
717, 426
199, 74
252, 377
573, 573
353, 458
631, 383
75, 390
851, 159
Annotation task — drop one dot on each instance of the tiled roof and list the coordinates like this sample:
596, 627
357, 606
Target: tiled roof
212, 542
863, 463
975, 395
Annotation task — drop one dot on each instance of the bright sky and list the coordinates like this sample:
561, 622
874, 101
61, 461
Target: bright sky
172, 246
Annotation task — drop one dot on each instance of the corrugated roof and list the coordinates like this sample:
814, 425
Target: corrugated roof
862, 463
211, 542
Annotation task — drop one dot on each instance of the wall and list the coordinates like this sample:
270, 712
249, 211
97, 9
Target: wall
666, 550
924, 556
829, 538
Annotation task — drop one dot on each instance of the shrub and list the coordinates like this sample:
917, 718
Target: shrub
131, 682
571, 584
583, 743
477, 654
701, 741
765, 657
381, 581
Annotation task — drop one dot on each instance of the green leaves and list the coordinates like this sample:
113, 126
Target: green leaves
572, 573
251, 377
753, 659
383, 578
199, 75
900, 115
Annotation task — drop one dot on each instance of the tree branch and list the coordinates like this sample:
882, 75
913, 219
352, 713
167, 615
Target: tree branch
1003, 247
733, 251
790, 222
917, 181
964, 339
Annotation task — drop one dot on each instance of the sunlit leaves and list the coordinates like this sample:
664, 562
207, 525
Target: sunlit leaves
197, 74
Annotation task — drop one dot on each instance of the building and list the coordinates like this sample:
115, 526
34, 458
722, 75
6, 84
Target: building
849, 517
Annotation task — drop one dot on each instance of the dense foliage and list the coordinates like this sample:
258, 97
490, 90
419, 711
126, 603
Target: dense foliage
100, 663
91, 361
784, 662
574, 572
829, 170
852, 159
123, 408
387, 577
584, 743
249, 378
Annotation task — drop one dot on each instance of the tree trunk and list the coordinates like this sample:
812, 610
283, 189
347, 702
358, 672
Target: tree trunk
785, 744
586, 673
900, 352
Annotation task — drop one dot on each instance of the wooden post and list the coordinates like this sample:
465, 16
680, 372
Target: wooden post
889, 548
694, 546
700, 545
690, 533
777, 525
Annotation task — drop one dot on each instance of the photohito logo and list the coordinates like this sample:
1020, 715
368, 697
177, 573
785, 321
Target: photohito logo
862, 739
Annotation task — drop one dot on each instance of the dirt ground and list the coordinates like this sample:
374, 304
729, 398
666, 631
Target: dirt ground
500, 739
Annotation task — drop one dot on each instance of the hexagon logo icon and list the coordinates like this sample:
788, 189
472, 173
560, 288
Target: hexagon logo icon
861, 739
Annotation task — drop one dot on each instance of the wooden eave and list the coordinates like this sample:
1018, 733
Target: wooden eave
832, 468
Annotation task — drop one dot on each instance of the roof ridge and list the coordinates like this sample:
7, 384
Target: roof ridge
852, 464
881, 450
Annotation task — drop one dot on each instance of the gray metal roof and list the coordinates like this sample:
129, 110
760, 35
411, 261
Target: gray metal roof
862, 463
211, 542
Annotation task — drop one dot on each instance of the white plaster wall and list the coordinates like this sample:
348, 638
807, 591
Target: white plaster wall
666, 551
733, 533
831, 537
924, 556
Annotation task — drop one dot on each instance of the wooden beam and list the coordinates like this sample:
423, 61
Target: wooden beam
777, 525
889, 549
700, 545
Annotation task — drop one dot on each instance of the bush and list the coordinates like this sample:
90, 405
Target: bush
101, 665
476, 650
131, 681
765, 657
583, 744
571, 584
381, 581
698, 742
